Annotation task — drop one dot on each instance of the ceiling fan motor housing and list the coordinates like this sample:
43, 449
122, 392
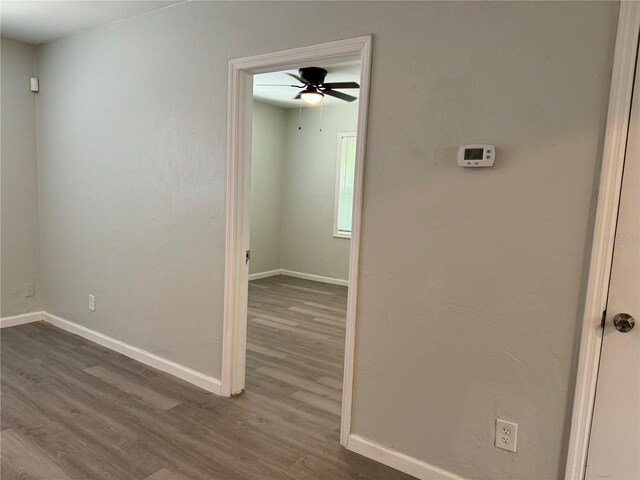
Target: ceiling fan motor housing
313, 75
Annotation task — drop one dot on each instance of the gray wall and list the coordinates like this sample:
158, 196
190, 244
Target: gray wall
470, 279
308, 245
292, 190
267, 166
19, 197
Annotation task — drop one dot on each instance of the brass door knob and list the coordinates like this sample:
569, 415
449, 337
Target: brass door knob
624, 322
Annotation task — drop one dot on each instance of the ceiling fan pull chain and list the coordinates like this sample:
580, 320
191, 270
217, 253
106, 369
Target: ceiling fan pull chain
321, 103
300, 119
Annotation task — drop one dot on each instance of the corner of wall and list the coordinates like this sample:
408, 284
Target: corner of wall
43, 287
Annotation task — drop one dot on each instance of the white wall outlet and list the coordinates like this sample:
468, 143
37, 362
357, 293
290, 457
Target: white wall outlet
28, 290
92, 303
506, 435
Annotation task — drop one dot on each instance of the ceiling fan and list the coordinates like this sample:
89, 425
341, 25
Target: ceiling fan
315, 88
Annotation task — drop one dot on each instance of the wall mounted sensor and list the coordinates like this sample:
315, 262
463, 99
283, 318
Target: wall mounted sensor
34, 84
477, 155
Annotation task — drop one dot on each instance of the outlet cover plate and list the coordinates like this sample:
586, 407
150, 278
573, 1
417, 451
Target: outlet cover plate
506, 435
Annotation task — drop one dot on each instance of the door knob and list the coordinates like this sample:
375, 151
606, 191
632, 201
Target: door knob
623, 322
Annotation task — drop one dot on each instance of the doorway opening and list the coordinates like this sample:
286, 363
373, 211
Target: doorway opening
321, 292
301, 218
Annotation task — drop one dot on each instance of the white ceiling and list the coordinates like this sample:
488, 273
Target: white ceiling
42, 21
283, 96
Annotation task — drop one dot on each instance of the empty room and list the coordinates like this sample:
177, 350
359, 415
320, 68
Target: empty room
319, 240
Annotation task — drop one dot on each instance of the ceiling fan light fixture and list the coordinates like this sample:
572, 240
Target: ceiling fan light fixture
311, 96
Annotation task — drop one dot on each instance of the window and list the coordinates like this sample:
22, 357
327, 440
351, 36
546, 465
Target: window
345, 177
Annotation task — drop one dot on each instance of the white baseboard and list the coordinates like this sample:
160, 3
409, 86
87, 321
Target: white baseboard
20, 319
306, 276
399, 461
270, 273
315, 278
185, 373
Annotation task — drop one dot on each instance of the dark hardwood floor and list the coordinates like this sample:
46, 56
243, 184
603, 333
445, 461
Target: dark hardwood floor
71, 409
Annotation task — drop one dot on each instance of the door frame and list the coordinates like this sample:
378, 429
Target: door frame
241, 71
615, 141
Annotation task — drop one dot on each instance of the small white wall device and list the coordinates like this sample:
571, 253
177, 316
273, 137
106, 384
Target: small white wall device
34, 84
476, 155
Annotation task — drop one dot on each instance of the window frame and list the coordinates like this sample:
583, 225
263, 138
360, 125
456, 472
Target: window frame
336, 200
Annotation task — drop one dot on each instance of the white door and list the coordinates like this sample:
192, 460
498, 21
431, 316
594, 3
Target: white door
614, 449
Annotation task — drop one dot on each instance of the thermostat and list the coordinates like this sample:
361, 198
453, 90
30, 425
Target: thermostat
476, 155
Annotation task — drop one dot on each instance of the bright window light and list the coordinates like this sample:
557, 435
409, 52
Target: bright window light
345, 179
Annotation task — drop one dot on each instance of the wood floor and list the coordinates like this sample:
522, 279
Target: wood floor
71, 409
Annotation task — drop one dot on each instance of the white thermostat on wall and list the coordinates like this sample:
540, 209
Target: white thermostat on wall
476, 155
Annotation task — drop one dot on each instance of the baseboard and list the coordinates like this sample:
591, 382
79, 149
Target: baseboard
270, 273
399, 461
306, 276
315, 278
185, 373
20, 319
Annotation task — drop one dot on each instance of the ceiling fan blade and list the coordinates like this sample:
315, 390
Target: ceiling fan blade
340, 95
299, 78
298, 96
277, 85
341, 85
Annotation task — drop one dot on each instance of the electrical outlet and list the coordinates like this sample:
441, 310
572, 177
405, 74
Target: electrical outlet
92, 303
506, 435
28, 290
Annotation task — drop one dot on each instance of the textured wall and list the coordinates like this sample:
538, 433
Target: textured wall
470, 279
308, 245
20, 230
267, 167
293, 175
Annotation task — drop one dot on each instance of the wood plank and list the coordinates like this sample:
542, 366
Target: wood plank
269, 352
29, 459
331, 382
163, 474
318, 313
298, 382
153, 398
340, 310
81, 411
318, 401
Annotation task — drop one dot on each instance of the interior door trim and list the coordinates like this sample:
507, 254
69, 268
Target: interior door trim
241, 71
622, 79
